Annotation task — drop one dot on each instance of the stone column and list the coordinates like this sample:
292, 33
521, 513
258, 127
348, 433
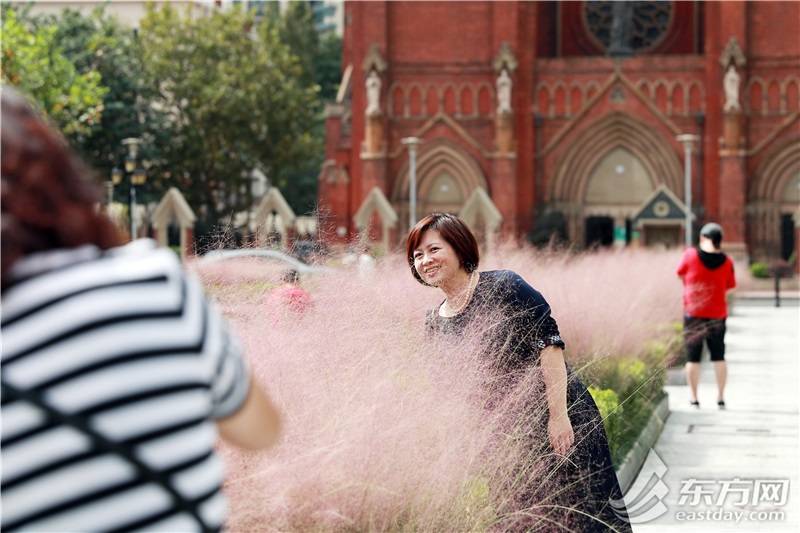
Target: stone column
732, 201
504, 191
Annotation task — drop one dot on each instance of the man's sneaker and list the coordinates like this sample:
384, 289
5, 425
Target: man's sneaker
695, 404
721, 404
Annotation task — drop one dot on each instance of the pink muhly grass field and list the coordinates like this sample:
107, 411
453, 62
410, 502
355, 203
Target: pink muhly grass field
387, 430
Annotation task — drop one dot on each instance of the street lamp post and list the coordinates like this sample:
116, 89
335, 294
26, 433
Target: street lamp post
412, 143
137, 177
688, 140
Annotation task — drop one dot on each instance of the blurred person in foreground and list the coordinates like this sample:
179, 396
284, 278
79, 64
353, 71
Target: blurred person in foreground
117, 373
579, 491
707, 275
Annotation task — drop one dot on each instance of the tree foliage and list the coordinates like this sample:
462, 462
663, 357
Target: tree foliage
319, 57
34, 62
235, 101
213, 98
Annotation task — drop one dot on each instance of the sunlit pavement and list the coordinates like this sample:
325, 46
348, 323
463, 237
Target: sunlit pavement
750, 445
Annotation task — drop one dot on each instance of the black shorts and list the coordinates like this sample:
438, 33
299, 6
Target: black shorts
698, 330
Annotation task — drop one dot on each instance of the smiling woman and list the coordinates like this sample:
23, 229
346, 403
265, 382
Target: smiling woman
576, 486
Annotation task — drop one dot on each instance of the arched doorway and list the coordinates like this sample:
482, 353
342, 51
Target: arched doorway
615, 190
443, 195
790, 201
774, 197
606, 174
446, 176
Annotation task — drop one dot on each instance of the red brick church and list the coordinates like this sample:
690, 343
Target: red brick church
542, 118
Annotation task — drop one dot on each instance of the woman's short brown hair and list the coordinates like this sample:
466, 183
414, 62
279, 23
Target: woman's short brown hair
48, 199
454, 231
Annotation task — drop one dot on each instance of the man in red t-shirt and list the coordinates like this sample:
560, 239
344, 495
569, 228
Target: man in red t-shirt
707, 275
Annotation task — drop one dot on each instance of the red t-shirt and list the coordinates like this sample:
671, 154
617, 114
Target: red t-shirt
290, 297
704, 288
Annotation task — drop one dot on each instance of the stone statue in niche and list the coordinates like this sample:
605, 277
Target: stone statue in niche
621, 28
373, 94
504, 93
731, 85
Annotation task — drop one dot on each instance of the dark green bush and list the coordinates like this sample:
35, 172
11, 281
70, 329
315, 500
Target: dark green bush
759, 270
626, 391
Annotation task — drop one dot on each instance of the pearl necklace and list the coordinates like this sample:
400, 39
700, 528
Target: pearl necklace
449, 310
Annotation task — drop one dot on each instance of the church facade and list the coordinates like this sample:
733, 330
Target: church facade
573, 119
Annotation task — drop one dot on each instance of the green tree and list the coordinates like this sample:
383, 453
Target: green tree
98, 42
34, 62
319, 56
235, 101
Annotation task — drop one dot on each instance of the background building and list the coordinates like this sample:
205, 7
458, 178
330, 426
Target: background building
128, 12
566, 114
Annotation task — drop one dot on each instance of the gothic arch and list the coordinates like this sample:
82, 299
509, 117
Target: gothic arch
695, 97
486, 89
759, 105
433, 100
644, 87
790, 94
397, 94
575, 99
560, 94
661, 92
438, 157
415, 95
592, 88
589, 148
766, 203
466, 95
544, 99
678, 99
775, 172
449, 99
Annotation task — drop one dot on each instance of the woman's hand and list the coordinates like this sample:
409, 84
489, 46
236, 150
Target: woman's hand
561, 435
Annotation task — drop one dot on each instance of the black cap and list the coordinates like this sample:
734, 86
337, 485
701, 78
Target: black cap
712, 230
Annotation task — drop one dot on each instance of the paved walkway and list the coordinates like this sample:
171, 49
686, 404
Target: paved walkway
755, 439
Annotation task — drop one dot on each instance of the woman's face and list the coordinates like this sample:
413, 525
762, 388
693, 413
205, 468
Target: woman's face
435, 260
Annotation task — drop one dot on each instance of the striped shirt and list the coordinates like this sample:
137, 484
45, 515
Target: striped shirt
114, 367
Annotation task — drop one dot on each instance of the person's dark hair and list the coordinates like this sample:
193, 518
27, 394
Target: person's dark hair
454, 231
48, 200
712, 231
291, 276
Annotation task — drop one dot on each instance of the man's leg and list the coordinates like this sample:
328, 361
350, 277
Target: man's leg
693, 378
693, 341
721, 370
716, 345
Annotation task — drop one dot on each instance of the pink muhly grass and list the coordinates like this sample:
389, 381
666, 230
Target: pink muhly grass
607, 303
385, 429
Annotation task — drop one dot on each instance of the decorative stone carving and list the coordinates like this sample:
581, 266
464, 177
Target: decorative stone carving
504, 84
374, 61
505, 59
732, 54
373, 94
621, 28
731, 85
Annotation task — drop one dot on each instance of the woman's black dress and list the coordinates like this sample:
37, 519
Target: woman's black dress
561, 494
